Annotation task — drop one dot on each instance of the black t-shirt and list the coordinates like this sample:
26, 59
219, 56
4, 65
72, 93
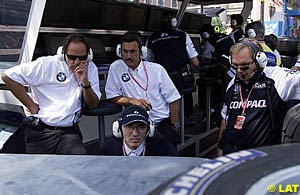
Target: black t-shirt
169, 48
222, 43
155, 146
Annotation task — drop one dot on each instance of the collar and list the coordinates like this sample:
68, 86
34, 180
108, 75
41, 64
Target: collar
137, 151
138, 68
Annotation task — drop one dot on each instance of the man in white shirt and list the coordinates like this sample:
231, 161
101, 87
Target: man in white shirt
132, 81
59, 86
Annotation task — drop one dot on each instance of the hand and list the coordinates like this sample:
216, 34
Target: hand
295, 68
219, 152
141, 102
80, 72
175, 127
34, 108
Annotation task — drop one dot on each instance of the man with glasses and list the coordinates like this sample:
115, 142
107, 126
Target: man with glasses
255, 100
133, 81
134, 135
60, 86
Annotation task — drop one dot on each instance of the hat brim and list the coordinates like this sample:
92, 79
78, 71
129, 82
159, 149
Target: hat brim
135, 120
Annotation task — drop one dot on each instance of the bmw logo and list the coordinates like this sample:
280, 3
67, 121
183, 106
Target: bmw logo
61, 77
125, 77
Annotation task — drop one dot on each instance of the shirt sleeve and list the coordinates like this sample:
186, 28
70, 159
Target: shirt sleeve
94, 78
287, 82
168, 88
191, 50
27, 73
111, 88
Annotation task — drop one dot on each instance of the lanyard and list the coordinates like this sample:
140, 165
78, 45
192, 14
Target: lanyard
144, 88
244, 103
125, 154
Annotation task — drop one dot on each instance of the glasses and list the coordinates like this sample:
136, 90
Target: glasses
139, 128
242, 67
80, 58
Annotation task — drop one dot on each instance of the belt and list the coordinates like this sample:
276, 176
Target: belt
59, 128
163, 122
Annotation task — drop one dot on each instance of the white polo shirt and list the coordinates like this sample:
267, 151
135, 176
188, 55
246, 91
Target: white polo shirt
123, 81
55, 88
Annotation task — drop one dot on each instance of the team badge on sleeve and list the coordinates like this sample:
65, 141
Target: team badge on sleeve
61, 77
125, 77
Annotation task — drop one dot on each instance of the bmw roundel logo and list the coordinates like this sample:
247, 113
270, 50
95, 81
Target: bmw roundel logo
61, 77
125, 77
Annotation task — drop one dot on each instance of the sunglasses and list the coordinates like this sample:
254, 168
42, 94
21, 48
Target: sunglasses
242, 67
80, 58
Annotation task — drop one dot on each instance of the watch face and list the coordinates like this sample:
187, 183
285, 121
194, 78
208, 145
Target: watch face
176, 125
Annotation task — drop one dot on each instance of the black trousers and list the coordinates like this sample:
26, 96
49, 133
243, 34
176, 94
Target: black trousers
54, 141
165, 129
188, 104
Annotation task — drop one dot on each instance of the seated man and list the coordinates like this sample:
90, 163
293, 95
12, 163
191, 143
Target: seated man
134, 136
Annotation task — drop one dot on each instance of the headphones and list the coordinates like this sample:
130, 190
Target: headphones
144, 51
260, 57
251, 33
131, 36
117, 128
61, 54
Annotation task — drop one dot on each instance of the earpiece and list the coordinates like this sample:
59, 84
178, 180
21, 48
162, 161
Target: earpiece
143, 52
261, 59
117, 132
251, 33
60, 53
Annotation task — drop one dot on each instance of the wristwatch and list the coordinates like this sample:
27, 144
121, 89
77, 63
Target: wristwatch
86, 87
175, 125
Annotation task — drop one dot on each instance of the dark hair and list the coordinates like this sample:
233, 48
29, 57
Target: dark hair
207, 28
132, 36
76, 38
257, 26
271, 41
238, 17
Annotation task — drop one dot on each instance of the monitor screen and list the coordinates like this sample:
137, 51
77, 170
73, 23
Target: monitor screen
191, 23
59, 13
124, 16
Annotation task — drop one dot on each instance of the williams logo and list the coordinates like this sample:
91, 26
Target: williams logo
236, 89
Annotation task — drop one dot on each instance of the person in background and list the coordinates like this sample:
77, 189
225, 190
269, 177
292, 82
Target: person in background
207, 52
133, 81
256, 30
134, 135
272, 42
255, 100
236, 23
61, 86
178, 61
